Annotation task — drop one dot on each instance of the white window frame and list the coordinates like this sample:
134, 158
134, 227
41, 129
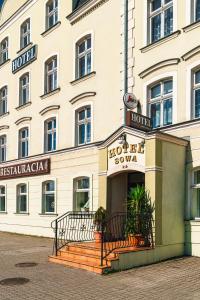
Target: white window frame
19, 194
3, 100
53, 13
27, 34
24, 140
84, 55
194, 88
4, 50
79, 190
23, 87
44, 193
3, 195
3, 147
48, 132
84, 122
51, 72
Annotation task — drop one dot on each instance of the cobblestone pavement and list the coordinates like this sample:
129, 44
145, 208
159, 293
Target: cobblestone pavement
173, 279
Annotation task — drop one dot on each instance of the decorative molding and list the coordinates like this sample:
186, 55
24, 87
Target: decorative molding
84, 10
49, 30
87, 76
24, 49
23, 105
4, 127
5, 63
49, 108
4, 115
160, 41
191, 53
50, 93
82, 96
162, 64
24, 119
191, 26
166, 138
154, 169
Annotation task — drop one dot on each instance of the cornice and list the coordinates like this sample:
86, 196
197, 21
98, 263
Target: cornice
166, 138
24, 119
49, 108
84, 10
161, 64
82, 96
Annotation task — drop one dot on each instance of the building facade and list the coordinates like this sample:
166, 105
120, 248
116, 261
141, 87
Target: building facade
65, 67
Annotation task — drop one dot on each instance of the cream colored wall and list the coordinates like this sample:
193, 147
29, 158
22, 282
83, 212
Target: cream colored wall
106, 104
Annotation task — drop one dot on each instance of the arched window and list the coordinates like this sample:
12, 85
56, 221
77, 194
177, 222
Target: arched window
160, 19
160, 103
82, 194
4, 50
50, 135
3, 100
25, 34
196, 94
51, 74
23, 142
51, 13
83, 125
22, 198
2, 198
2, 148
24, 89
48, 197
83, 56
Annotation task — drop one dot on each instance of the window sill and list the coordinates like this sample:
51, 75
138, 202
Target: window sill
4, 63
48, 215
4, 115
50, 93
85, 77
23, 105
22, 214
3, 213
20, 51
161, 41
191, 26
49, 30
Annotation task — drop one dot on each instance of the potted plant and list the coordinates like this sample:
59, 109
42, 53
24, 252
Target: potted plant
139, 216
99, 220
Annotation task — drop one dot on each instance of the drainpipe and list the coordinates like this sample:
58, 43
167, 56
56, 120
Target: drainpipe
125, 53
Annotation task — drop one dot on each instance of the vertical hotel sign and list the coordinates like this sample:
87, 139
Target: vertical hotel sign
24, 59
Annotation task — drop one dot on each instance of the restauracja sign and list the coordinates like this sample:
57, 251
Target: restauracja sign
126, 153
26, 169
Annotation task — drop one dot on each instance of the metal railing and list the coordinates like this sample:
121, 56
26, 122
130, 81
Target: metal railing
118, 231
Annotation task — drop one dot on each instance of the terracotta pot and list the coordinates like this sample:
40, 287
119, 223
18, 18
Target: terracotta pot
97, 236
135, 240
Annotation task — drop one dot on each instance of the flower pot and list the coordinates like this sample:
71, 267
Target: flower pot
135, 240
97, 236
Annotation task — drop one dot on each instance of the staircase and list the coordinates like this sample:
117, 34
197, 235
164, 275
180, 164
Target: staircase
84, 256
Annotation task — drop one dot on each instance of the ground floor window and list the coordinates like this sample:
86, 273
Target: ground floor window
196, 195
22, 197
82, 194
48, 197
2, 199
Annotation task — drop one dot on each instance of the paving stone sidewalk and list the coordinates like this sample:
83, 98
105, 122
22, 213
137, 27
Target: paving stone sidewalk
174, 279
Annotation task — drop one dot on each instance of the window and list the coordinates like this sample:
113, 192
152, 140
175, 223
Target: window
195, 10
81, 194
50, 135
195, 205
24, 89
83, 59
4, 51
3, 100
22, 197
23, 142
2, 148
160, 19
48, 197
51, 74
160, 103
25, 34
51, 13
83, 125
2, 198
196, 95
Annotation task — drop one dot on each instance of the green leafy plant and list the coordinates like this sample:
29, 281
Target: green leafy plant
99, 217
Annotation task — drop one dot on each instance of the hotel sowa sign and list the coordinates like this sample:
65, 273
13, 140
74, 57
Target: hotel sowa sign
130, 155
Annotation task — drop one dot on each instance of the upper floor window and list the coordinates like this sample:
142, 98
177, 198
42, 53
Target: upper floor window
2, 198
24, 89
83, 125
195, 10
51, 74
160, 103
3, 100
196, 95
160, 19
25, 34
51, 13
82, 194
2, 148
48, 197
83, 57
4, 51
23, 142
50, 135
22, 198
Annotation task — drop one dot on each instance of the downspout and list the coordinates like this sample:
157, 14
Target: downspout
125, 54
